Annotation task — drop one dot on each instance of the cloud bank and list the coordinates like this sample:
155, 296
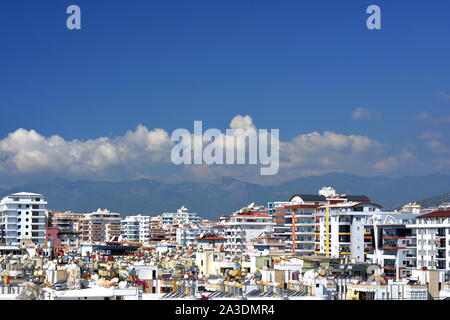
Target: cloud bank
143, 152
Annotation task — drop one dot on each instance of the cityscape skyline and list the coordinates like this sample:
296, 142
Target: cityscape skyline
323, 246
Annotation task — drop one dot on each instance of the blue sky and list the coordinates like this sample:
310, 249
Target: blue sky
300, 66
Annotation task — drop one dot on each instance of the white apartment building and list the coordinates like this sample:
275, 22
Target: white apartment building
242, 227
391, 243
22, 217
187, 233
346, 219
433, 240
411, 208
136, 228
173, 221
182, 216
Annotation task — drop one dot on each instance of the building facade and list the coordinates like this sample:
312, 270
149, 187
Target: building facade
433, 240
23, 218
99, 226
136, 228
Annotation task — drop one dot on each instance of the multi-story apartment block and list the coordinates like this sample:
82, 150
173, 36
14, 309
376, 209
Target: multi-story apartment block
23, 218
390, 243
136, 228
278, 213
346, 231
68, 224
301, 222
187, 233
99, 226
411, 208
65, 221
433, 240
157, 233
181, 216
173, 221
242, 227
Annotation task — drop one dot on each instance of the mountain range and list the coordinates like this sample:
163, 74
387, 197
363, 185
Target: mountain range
224, 195
435, 201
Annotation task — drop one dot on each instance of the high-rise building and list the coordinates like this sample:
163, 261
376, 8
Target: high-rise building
68, 224
181, 216
244, 226
390, 243
182, 219
433, 240
136, 228
99, 226
23, 218
302, 223
157, 233
345, 217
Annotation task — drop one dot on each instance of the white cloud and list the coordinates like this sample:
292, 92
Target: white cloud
425, 116
143, 152
242, 122
329, 151
365, 113
26, 151
393, 162
437, 146
430, 135
444, 95
434, 143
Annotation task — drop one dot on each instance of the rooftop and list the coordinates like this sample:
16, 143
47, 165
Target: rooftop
435, 214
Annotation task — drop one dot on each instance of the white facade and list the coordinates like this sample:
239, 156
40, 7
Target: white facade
433, 240
180, 217
186, 234
241, 228
391, 243
346, 229
22, 217
136, 228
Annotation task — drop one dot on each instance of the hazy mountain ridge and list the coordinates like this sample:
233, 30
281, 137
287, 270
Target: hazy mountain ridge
435, 201
225, 195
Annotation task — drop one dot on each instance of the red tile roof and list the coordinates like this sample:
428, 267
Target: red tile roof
210, 238
252, 214
435, 214
299, 206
